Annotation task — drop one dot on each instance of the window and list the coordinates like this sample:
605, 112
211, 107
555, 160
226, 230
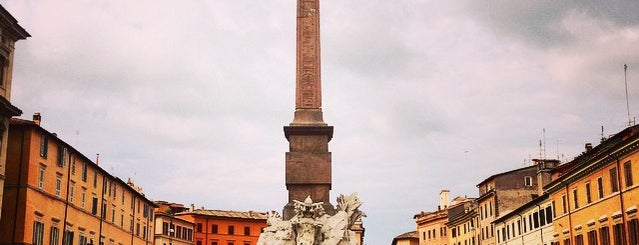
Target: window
83, 197
199, 227
94, 206
549, 214
579, 239
137, 229
528, 181
542, 217
55, 236
72, 165
564, 205
588, 198
614, 185
575, 198
633, 229
71, 192
627, 172
82, 240
231, 230
44, 145
592, 237
95, 179
38, 233
41, 178
62, 155
535, 220
84, 172
121, 218
58, 184
619, 234
113, 215
198, 242
165, 228
604, 232
247, 231
68, 237
567, 241
600, 191
214, 229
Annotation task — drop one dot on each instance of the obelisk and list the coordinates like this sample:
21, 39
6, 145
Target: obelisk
308, 162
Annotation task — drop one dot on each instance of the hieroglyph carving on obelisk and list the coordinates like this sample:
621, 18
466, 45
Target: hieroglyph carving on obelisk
308, 92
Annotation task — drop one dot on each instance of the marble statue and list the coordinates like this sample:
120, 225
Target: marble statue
311, 225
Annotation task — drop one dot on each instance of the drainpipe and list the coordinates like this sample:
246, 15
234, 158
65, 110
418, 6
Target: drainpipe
102, 211
541, 229
623, 207
15, 211
522, 235
569, 212
66, 203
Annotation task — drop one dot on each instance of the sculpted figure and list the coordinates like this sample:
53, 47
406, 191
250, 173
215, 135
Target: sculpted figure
312, 226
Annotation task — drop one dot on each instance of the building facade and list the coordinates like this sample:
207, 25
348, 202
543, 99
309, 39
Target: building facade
504, 192
54, 195
595, 196
462, 222
529, 224
171, 230
431, 226
10, 33
217, 227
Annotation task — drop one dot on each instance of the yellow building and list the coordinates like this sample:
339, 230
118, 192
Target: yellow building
462, 222
10, 32
54, 195
169, 229
595, 196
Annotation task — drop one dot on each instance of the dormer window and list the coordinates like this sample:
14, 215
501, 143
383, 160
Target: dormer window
528, 181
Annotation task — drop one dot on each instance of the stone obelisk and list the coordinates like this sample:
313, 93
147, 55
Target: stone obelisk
308, 162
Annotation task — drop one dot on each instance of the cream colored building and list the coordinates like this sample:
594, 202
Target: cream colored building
529, 224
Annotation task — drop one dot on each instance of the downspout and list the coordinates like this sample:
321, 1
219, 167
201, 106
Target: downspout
132, 220
66, 203
541, 229
15, 212
522, 235
102, 211
569, 212
206, 231
623, 208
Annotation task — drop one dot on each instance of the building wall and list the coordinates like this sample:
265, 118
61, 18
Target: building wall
431, 228
166, 230
66, 192
221, 234
10, 32
532, 225
606, 211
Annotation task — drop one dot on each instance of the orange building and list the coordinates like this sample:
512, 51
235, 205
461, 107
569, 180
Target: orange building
595, 196
10, 32
54, 195
216, 227
431, 226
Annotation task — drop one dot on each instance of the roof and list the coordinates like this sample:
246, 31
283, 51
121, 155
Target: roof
610, 149
26, 123
411, 235
228, 214
11, 22
504, 173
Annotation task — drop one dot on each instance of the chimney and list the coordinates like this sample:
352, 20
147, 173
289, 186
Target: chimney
588, 147
37, 118
443, 199
192, 208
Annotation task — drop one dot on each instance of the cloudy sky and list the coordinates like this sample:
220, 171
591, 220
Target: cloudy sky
188, 98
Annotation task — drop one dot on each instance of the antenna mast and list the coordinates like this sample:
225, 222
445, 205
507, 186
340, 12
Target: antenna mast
625, 80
